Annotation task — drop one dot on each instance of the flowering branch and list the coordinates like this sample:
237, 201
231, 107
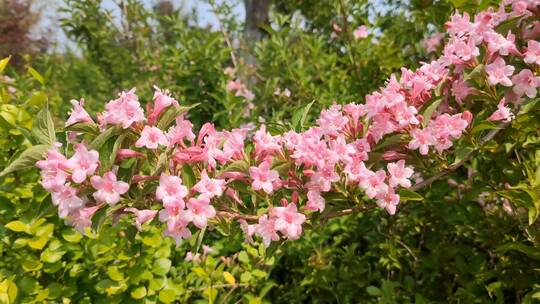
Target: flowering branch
155, 165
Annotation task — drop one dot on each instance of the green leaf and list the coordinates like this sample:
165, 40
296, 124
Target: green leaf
299, 117
100, 140
3, 63
171, 113
115, 274
27, 159
37, 99
243, 257
43, 128
259, 273
188, 176
409, 195
50, 256
167, 296
531, 252
211, 293
138, 293
36, 75
161, 266
86, 127
17, 226
373, 291
428, 112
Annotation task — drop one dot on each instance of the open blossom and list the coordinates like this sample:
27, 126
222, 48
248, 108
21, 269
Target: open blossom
151, 138
109, 189
142, 216
498, 43
460, 90
288, 221
421, 139
267, 230
315, 201
82, 218
209, 187
498, 72
264, 178
124, 111
78, 114
171, 191
502, 113
67, 200
182, 130
201, 210
360, 32
53, 170
373, 184
265, 142
388, 200
525, 83
532, 55
399, 174
83, 163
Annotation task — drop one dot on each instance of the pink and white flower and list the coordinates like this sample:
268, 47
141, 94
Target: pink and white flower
109, 188
83, 163
499, 72
151, 138
264, 178
399, 174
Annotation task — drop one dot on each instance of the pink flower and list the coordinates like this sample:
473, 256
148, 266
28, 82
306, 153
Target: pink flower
142, 216
421, 139
532, 55
315, 201
498, 72
460, 90
201, 210
502, 113
67, 200
162, 100
109, 189
53, 170
388, 200
267, 230
82, 218
399, 174
182, 130
288, 221
210, 187
525, 83
124, 111
264, 178
151, 138
497, 43
190, 257
83, 163
265, 142
248, 230
432, 42
360, 32
171, 191
374, 184
78, 114
332, 120
128, 153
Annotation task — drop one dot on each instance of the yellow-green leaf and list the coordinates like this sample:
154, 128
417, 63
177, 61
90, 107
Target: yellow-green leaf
17, 226
229, 278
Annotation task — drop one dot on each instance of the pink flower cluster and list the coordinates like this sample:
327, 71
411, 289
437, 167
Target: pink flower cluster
358, 152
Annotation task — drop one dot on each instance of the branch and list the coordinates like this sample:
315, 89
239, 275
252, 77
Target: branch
457, 165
